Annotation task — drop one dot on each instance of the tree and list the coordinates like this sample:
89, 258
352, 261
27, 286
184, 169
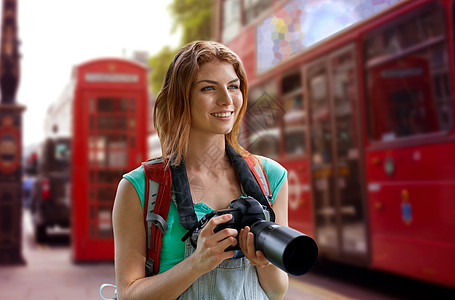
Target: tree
195, 19
159, 64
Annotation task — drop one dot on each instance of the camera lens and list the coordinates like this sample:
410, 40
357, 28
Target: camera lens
288, 249
300, 255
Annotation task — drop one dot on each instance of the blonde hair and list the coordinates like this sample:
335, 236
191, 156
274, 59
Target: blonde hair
172, 117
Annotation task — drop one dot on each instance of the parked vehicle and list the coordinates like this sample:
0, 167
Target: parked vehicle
50, 196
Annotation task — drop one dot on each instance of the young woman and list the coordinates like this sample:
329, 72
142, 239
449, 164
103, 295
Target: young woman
198, 110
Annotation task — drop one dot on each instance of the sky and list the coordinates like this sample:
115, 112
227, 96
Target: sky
56, 35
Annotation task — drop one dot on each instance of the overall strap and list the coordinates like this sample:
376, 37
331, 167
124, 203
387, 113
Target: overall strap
156, 208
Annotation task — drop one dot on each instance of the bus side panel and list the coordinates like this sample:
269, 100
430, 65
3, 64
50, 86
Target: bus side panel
300, 209
422, 259
411, 208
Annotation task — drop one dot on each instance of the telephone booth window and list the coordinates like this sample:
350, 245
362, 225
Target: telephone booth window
112, 134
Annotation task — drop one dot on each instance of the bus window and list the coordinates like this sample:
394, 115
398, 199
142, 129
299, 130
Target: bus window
323, 182
294, 114
336, 180
262, 123
254, 8
347, 148
232, 20
320, 116
408, 91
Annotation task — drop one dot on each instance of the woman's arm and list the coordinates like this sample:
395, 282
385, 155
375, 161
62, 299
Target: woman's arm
130, 253
273, 280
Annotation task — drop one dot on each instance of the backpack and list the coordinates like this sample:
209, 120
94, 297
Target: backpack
158, 194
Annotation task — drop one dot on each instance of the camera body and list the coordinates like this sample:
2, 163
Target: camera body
286, 248
245, 211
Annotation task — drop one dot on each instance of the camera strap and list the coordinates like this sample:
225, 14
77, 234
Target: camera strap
181, 188
182, 193
250, 182
197, 227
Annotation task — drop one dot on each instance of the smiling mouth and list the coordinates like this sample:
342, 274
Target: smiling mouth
223, 114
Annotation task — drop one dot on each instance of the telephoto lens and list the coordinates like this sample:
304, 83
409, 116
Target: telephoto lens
288, 249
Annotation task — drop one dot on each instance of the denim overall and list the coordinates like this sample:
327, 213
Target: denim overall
232, 279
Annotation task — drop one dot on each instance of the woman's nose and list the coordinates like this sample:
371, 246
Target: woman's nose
224, 98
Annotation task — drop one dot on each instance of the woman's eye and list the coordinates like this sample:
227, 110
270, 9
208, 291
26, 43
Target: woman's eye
233, 87
207, 88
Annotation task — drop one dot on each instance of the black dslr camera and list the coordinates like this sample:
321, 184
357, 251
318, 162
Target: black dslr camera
288, 249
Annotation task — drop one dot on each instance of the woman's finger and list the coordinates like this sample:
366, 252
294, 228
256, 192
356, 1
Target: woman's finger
215, 221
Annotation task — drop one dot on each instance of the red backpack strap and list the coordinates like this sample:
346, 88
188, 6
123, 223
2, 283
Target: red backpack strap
158, 189
260, 176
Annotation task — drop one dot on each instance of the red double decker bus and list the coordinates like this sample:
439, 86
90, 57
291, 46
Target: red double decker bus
355, 99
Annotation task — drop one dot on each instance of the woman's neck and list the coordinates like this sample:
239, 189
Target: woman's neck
206, 153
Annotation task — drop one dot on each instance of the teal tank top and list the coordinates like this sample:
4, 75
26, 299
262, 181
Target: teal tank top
172, 248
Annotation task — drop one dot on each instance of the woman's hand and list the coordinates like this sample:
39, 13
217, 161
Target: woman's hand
246, 242
210, 251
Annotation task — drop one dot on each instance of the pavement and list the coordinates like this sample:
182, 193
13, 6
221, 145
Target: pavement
50, 274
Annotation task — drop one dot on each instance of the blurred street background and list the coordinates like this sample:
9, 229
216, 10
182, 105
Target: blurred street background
353, 97
50, 273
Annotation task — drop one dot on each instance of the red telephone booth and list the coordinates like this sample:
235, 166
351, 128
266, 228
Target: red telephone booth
109, 139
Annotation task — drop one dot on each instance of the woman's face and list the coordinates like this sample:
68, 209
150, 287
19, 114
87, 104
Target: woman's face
215, 99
